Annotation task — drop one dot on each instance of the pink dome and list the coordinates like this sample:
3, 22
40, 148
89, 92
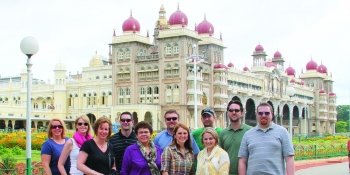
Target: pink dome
178, 18
302, 83
220, 66
290, 71
322, 91
205, 27
277, 55
230, 65
245, 68
332, 94
322, 69
131, 24
270, 64
311, 65
259, 48
292, 80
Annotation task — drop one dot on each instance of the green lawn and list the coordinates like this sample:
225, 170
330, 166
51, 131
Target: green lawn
35, 156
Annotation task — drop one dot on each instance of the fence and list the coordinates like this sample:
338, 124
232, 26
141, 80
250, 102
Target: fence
305, 152
20, 169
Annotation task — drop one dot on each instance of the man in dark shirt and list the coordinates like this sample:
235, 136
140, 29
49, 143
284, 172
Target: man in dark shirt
125, 137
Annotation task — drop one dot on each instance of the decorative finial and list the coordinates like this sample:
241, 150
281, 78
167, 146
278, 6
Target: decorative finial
205, 17
130, 13
147, 33
114, 32
195, 26
220, 36
178, 6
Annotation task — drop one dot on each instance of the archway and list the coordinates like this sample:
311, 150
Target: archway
136, 119
2, 124
91, 117
273, 110
148, 118
250, 117
285, 114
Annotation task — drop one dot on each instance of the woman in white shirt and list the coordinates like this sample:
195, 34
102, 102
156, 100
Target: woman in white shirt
72, 146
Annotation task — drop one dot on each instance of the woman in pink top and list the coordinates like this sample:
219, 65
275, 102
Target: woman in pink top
72, 146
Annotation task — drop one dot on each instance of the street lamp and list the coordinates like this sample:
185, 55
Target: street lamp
29, 46
290, 92
195, 59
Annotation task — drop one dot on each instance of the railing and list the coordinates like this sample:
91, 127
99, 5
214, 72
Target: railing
20, 169
305, 152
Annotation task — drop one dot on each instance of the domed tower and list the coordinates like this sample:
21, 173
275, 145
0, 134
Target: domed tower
205, 27
161, 23
178, 18
278, 60
211, 47
259, 56
131, 25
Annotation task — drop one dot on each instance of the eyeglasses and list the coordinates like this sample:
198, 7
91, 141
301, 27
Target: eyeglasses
171, 119
264, 113
125, 120
236, 110
81, 124
56, 127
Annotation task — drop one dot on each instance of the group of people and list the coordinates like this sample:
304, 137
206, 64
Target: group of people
237, 149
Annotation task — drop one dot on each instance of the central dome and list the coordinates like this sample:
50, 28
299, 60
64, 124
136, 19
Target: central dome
205, 27
311, 65
178, 18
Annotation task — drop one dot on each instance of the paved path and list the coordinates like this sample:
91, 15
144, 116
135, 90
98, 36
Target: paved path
331, 169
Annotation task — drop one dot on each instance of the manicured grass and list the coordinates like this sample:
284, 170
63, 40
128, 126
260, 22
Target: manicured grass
22, 157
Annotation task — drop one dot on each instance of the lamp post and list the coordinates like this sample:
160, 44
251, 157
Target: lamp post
29, 46
195, 59
290, 92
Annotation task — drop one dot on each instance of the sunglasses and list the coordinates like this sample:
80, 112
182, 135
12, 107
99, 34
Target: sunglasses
264, 113
236, 110
171, 119
56, 127
81, 124
125, 120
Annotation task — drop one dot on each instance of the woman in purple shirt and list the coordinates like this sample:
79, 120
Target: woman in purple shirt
143, 157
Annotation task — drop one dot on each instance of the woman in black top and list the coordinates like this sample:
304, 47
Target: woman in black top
96, 155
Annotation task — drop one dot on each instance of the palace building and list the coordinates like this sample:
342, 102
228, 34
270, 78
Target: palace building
178, 68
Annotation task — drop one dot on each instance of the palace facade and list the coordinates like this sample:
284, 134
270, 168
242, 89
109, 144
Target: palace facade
175, 69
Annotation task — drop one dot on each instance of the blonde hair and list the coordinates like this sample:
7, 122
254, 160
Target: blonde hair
49, 130
212, 132
86, 119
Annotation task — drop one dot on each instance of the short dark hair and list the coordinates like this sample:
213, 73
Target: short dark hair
143, 124
265, 104
234, 102
170, 111
99, 122
127, 113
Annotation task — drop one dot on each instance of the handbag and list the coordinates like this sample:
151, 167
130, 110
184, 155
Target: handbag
111, 171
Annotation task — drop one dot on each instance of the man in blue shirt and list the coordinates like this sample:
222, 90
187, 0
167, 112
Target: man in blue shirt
165, 137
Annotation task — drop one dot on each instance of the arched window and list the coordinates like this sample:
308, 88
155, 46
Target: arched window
142, 91
168, 50
149, 90
156, 90
121, 91
127, 91
127, 54
176, 49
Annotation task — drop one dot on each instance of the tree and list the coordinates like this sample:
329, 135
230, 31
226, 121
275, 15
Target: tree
341, 126
343, 112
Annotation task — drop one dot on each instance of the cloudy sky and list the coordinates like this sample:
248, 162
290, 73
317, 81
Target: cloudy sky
71, 31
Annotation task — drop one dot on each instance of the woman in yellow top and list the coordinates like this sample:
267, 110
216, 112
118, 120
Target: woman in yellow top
212, 160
